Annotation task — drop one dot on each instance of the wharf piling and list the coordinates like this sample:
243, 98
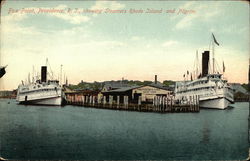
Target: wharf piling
161, 104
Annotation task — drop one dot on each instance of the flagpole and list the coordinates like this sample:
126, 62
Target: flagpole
213, 55
209, 60
223, 69
215, 41
197, 64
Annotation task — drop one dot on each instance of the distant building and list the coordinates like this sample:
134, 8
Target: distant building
76, 95
8, 94
79, 94
237, 88
147, 93
121, 92
240, 93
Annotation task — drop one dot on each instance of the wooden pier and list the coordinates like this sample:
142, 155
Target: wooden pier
160, 104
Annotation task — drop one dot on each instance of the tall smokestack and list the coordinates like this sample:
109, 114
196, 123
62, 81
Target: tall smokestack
205, 60
155, 79
44, 74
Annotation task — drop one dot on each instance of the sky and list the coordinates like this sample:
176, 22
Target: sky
110, 44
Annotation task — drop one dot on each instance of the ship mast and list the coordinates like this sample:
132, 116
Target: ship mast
47, 64
197, 65
214, 42
33, 74
213, 55
61, 75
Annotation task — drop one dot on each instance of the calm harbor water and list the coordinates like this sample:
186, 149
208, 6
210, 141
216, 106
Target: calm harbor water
71, 132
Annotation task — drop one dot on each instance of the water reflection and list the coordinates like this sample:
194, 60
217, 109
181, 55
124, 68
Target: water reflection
205, 132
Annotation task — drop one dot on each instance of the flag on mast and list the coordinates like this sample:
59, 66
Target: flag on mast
215, 41
224, 68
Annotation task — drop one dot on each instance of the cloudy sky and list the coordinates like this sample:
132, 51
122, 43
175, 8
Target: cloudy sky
109, 46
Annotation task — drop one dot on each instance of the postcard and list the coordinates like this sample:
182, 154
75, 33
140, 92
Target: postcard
124, 80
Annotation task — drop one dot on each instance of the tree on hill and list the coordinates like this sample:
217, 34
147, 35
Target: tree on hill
168, 83
99, 85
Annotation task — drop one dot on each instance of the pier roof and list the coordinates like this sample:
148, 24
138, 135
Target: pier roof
123, 89
161, 86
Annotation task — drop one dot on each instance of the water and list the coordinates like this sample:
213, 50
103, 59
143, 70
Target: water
71, 132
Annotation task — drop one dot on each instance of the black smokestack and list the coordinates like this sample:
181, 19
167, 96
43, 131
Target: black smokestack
155, 79
205, 60
44, 74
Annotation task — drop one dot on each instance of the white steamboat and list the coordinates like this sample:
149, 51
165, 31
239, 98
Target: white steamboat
213, 91
41, 92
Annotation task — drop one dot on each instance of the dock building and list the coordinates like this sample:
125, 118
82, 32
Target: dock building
146, 92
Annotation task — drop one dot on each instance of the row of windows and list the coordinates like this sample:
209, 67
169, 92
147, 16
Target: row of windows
196, 89
34, 87
40, 90
215, 76
38, 86
199, 82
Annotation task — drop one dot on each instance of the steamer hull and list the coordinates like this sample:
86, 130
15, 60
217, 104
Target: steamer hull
55, 100
218, 103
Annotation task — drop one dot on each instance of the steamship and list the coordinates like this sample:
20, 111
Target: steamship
213, 91
41, 92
